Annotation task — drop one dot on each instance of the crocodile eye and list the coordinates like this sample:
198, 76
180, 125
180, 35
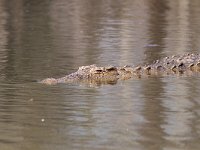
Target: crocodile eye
122, 69
99, 70
111, 69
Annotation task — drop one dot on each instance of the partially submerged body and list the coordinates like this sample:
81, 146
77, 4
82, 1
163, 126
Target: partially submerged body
185, 64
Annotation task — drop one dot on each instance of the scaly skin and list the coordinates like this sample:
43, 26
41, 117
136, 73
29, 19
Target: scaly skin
184, 64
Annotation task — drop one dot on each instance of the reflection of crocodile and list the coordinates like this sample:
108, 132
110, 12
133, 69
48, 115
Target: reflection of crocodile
185, 64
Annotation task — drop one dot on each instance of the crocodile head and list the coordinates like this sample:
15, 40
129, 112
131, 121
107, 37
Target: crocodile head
91, 73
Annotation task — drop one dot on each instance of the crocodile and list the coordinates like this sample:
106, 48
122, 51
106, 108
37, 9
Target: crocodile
187, 64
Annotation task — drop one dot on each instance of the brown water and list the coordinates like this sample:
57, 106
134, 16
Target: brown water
40, 39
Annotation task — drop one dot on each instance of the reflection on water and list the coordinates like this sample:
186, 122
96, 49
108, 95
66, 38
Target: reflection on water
46, 38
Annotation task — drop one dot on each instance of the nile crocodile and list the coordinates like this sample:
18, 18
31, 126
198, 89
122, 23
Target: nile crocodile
188, 64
